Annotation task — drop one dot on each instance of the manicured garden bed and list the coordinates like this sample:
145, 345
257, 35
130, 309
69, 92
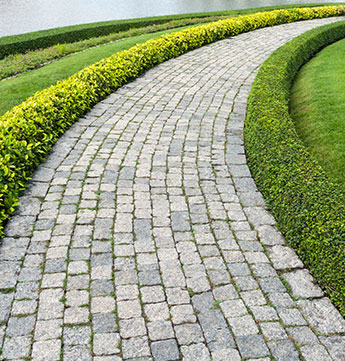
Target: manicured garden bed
314, 227
41, 39
14, 64
15, 90
308, 207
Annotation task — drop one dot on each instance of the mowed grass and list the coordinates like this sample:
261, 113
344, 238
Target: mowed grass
14, 91
318, 109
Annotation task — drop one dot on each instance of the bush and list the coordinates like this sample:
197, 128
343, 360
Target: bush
21, 43
29, 130
18, 63
308, 207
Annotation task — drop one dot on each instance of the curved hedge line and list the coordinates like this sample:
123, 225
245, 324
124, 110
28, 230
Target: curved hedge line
308, 207
29, 130
21, 43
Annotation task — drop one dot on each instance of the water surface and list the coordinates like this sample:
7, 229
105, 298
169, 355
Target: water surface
22, 16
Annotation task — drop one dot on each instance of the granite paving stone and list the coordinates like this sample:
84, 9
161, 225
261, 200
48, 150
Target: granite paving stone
335, 346
106, 343
273, 331
77, 352
16, 347
302, 335
77, 335
315, 352
165, 350
301, 283
46, 350
284, 350
252, 346
144, 237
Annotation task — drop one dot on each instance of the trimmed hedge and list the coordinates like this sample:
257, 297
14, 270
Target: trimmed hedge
308, 207
29, 130
21, 43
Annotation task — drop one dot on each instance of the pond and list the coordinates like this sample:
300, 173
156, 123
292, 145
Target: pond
22, 16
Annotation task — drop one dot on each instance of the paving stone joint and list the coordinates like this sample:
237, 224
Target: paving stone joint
144, 237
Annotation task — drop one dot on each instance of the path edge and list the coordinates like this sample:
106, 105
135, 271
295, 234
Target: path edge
309, 209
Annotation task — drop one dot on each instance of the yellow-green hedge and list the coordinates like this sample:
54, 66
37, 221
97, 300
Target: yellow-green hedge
28, 131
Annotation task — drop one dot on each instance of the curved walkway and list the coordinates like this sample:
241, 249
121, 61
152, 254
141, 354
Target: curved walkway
170, 251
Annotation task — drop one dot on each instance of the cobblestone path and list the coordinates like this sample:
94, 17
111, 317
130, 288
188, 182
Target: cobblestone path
144, 237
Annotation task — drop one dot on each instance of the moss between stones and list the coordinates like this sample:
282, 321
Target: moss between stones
28, 131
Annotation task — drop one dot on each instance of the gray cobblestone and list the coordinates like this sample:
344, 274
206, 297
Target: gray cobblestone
301, 283
46, 350
76, 352
291, 317
315, 352
76, 315
106, 343
284, 258
252, 346
103, 322
144, 223
233, 308
16, 347
20, 326
182, 313
77, 298
135, 347
226, 354
188, 333
264, 313
157, 311
243, 326
128, 309
165, 350
284, 350
77, 335
302, 335
5, 306
160, 330
196, 352
322, 315
102, 304
48, 329
152, 294
132, 327
335, 346
273, 331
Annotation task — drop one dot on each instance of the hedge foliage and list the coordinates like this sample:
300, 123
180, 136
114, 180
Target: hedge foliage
21, 43
308, 207
16, 44
29, 130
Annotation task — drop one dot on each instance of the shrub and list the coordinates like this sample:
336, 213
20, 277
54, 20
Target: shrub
44, 38
18, 63
29, 130
308, 207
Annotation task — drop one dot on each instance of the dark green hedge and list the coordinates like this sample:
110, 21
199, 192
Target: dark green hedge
308, 207
42, 39
29, 130
15, 44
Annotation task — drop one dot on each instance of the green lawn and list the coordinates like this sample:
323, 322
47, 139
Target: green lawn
17, 62
14, 91
318, 108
